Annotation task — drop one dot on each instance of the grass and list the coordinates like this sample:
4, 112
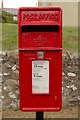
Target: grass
0, 37
10, 37
70, 38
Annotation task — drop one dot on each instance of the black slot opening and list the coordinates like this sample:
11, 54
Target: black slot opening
41, 28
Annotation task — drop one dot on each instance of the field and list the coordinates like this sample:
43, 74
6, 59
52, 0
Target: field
10, 37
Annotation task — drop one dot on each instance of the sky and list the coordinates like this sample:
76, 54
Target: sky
18, 3
27, 3
59, 0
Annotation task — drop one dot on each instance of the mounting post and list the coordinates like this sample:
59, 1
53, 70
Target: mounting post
39, 115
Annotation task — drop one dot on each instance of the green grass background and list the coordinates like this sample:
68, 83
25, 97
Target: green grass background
10, 37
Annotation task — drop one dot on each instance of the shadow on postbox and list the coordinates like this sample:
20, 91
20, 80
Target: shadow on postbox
40, 58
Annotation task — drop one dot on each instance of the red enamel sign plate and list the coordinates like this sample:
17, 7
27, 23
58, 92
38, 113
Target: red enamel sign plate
40, 59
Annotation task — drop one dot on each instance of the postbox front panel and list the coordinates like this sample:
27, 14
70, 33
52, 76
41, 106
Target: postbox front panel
40, 59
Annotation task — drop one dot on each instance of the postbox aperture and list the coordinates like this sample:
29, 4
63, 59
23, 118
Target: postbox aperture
40, 59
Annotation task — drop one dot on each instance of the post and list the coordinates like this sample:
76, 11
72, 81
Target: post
39, 115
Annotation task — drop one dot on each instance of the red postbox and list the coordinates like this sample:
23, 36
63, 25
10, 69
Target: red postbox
40, 58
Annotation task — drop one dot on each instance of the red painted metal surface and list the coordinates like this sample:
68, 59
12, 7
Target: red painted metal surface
40, 29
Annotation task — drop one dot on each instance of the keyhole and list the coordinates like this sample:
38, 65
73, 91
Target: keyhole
28, 80
55, 97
